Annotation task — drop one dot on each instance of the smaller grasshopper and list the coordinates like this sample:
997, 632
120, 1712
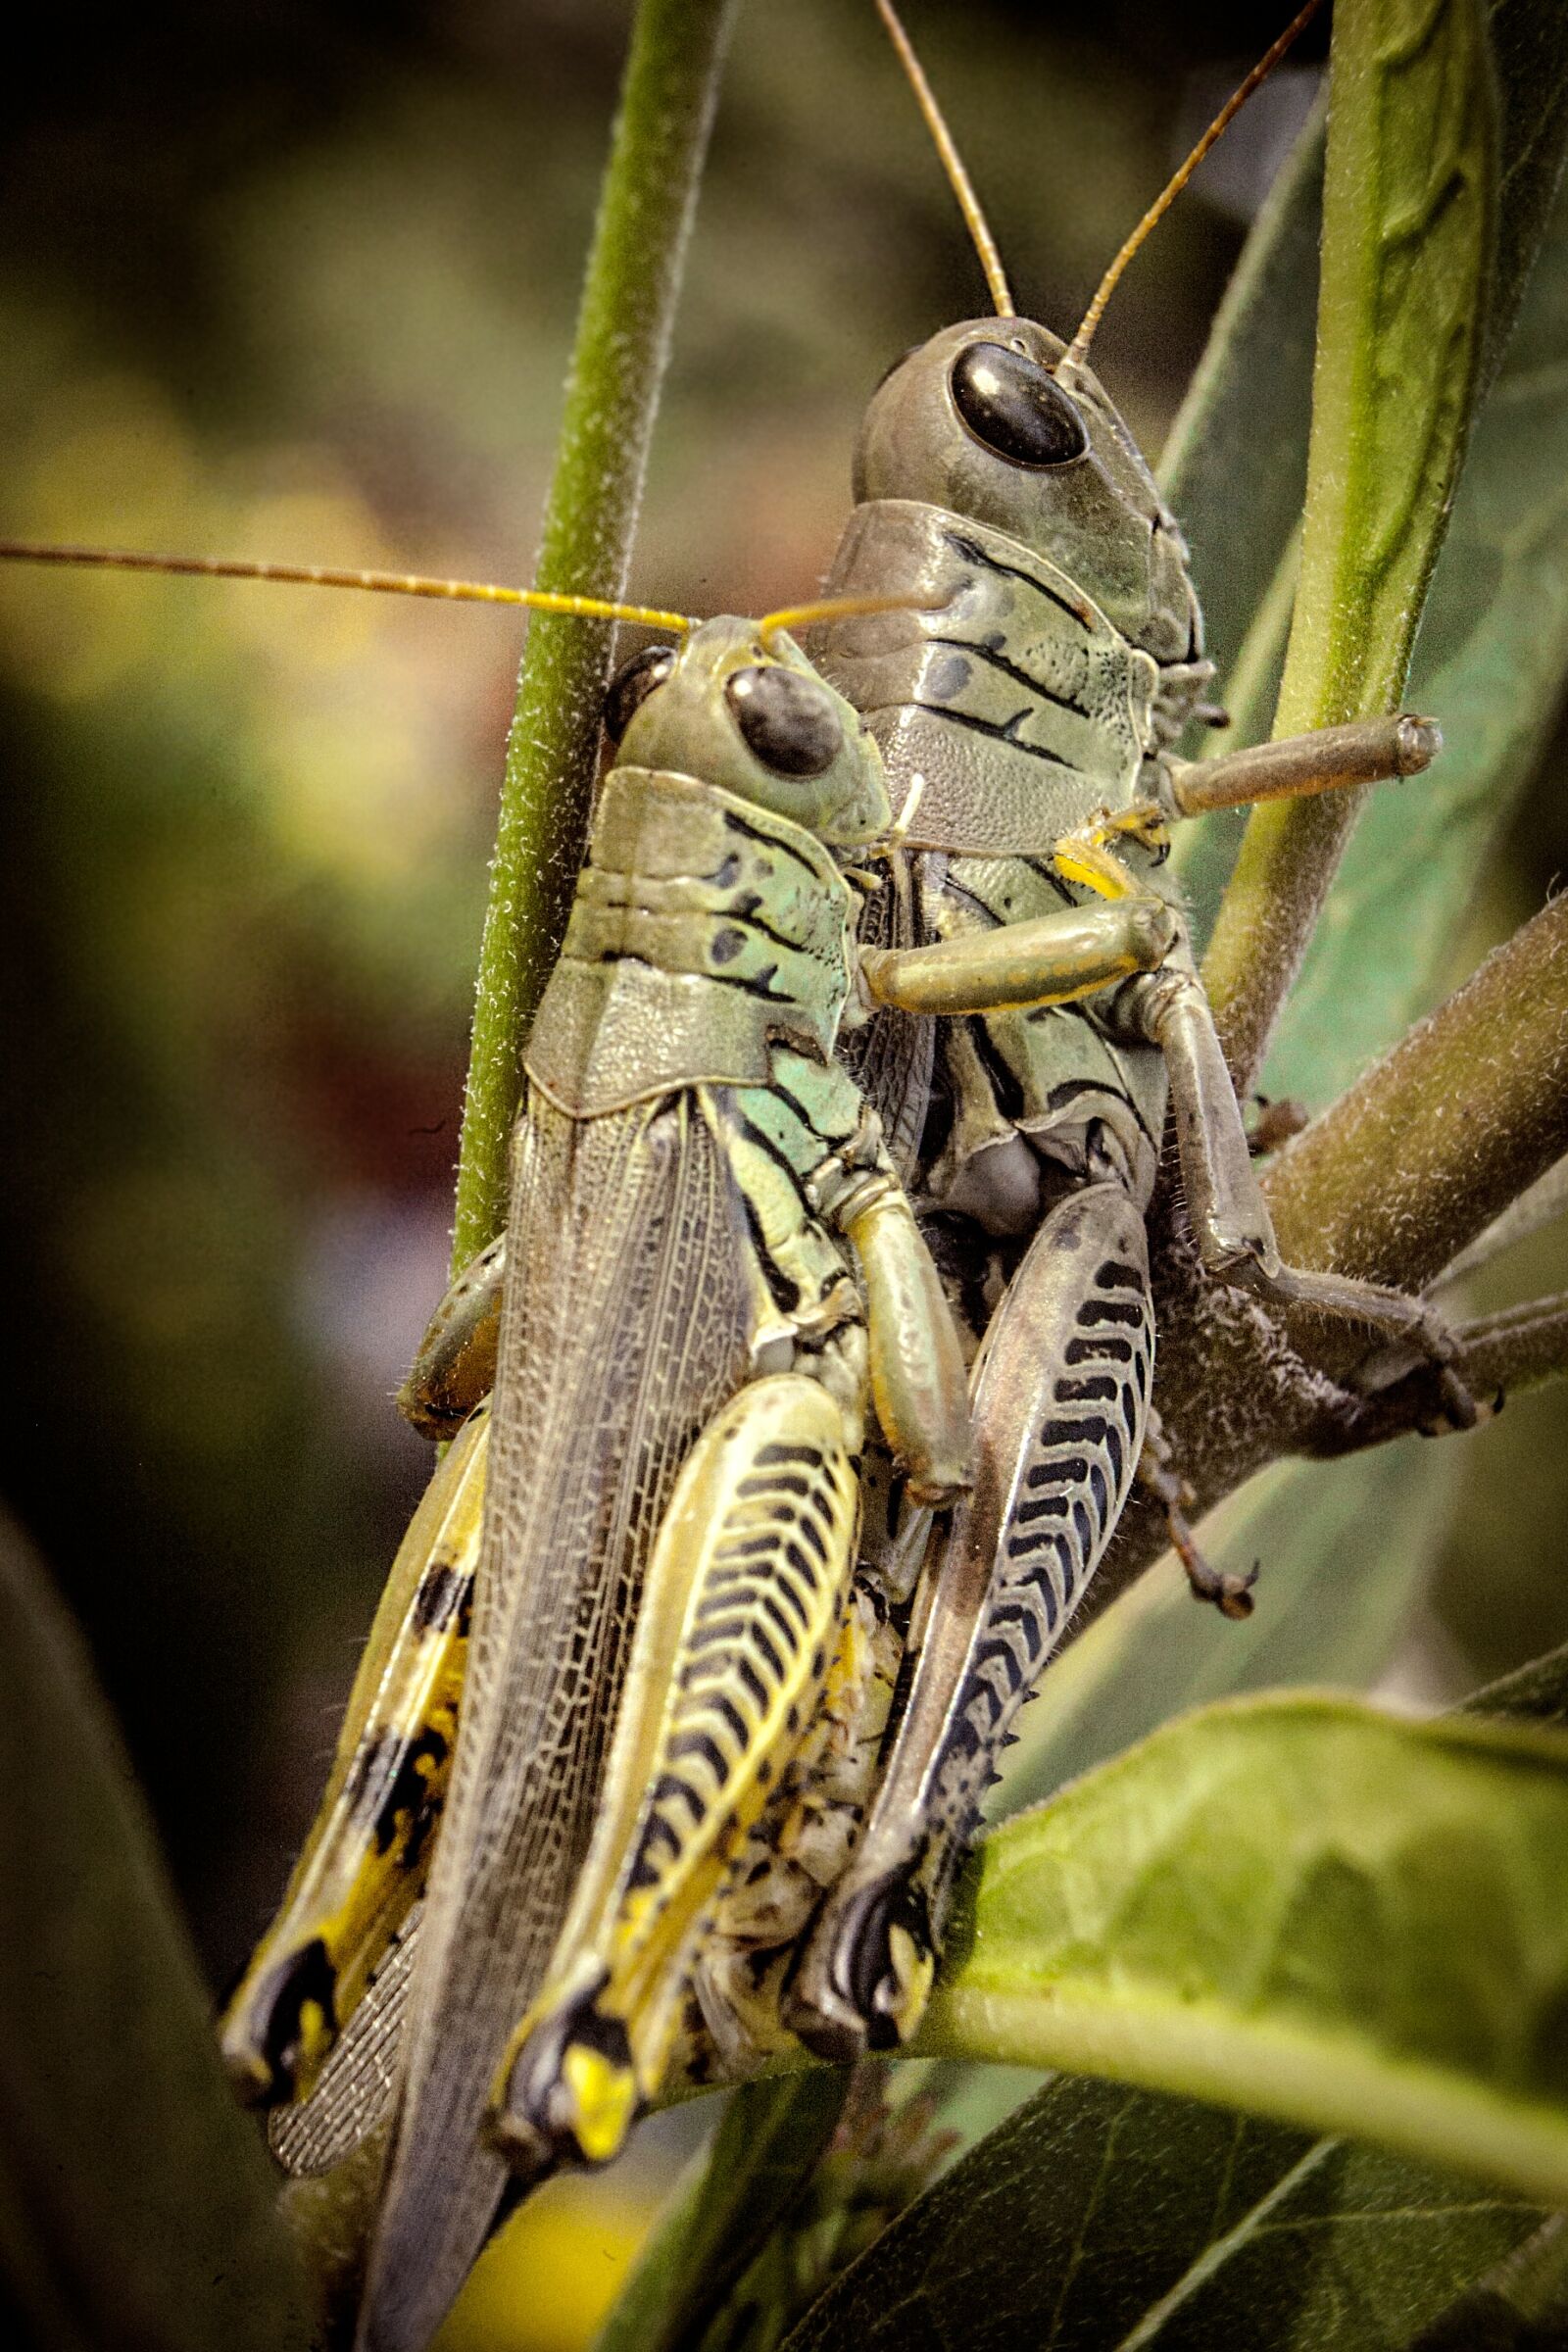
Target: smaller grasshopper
706, 1577
643, 1636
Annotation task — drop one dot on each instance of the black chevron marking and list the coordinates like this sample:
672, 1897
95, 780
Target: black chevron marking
698, 1743
759, 1641
1090, 1428
666, 1790
734, 1719
1096, 1311
1104, 1350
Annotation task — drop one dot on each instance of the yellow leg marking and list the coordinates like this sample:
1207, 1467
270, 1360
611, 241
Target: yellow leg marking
604, 2098
1085, 859
364, 1861
751, 1567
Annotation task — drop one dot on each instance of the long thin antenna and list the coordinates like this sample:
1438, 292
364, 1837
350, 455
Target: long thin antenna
1078, 349
311, 576
835, 608
984, 244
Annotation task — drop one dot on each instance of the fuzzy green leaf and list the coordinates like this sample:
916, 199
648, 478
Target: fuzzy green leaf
136, 2201
1235, 469
1099, 2219
1234, 465
1106, 2217
1301, 1907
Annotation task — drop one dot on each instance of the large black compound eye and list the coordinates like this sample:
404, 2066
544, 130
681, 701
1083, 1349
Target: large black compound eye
633, 682
788, 720
1011, 405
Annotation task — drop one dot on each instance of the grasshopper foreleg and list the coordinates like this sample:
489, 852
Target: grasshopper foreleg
1367, 750
1158, 1472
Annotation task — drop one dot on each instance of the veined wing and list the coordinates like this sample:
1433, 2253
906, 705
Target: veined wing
625, 1327
360, 2077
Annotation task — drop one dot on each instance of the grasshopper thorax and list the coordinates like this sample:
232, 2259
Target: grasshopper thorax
986, 422
753, 717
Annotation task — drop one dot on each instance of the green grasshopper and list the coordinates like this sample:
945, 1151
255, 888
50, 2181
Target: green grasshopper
1027, 697
635, 1633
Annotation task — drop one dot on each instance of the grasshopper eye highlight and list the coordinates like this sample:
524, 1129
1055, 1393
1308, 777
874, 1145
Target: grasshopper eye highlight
631, 686
1013, 407
789, 721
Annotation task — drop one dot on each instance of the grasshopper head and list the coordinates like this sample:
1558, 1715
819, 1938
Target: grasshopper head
757, 720
980, 422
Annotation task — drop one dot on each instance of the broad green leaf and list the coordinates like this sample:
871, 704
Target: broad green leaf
1233, 469
736, 2193
1097, 2219
1121, 2217
1521, 2305
1342, 1547
1301, 1907
1530, 61
136, 2201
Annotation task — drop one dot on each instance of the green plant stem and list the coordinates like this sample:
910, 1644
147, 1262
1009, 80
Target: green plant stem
1436, 1141
623, 342
1407, 236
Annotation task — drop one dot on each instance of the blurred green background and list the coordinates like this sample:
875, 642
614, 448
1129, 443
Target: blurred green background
297, 280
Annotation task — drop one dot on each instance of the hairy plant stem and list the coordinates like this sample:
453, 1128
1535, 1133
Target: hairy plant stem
623, 343
1469, 1109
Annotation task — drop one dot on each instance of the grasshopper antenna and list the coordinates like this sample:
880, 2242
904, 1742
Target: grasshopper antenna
415, 583
835, 608
311, 575
984, 244
1078, 349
